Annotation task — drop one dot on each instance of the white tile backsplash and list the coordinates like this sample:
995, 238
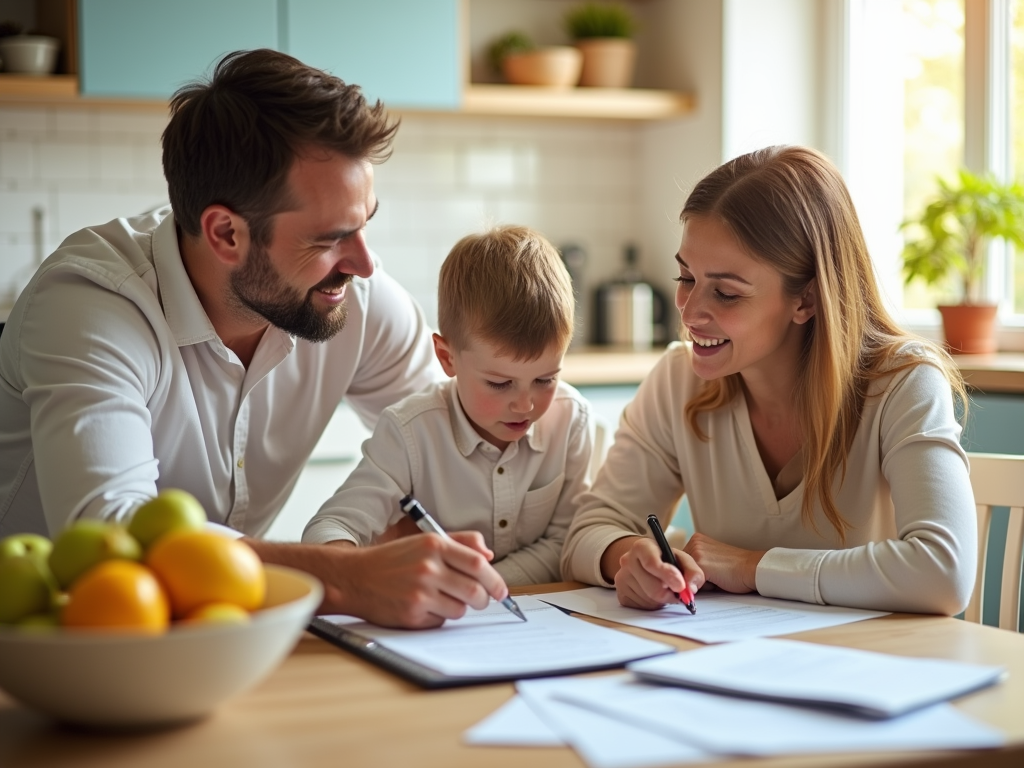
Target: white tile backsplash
575, 181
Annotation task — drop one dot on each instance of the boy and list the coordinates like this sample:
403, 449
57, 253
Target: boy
474, 449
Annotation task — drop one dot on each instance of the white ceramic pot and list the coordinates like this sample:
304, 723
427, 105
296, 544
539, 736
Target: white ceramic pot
29, 54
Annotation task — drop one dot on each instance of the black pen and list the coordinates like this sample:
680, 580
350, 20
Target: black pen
427, 524
668, 556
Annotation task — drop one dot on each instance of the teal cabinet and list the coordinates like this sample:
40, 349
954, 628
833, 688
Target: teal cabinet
405, 52
131, 49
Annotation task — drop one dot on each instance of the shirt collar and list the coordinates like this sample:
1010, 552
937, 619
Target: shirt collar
184, 312
467, 439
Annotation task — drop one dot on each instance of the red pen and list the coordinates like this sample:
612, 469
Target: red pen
668, 556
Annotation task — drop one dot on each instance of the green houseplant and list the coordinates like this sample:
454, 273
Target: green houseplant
603, 32
949, 239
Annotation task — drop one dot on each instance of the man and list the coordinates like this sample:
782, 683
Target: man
206, 346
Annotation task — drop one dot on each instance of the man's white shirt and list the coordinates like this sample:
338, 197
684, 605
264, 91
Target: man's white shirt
114, 384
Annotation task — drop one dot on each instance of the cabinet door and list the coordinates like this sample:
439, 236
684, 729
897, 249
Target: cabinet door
403, 52
147, 50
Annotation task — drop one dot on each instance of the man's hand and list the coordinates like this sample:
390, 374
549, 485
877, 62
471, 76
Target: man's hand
730, 568
641, 579
412, 582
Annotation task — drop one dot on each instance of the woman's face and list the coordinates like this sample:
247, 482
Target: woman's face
734, 306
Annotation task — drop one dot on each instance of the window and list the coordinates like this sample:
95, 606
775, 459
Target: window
959, 101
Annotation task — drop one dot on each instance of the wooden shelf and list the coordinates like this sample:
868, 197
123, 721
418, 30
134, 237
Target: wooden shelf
34, 89
62, 91
602, 103
499, 100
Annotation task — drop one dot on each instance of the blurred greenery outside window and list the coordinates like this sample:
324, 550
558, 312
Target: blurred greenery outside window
933, 114
933, 61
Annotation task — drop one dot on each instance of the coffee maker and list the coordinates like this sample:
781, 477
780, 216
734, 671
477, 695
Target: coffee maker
629, 311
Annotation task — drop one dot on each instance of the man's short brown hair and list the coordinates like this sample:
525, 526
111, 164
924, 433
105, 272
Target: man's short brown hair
507, 287
232, 140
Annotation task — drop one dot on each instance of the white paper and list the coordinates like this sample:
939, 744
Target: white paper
877, 684
600, 741
513, 725
720, 617
493, 642
733, 726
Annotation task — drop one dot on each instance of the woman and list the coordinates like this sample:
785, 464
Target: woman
815, 440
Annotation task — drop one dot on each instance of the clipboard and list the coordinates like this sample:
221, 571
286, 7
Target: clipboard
619, 648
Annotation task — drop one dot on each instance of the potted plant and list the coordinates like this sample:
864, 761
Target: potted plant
603, 32
949, 239
516, 57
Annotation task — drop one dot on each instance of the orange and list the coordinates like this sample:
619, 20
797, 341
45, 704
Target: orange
200, 567
117, 594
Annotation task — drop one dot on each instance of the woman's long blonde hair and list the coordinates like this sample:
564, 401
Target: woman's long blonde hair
790, 208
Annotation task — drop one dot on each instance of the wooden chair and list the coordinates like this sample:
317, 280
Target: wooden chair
998, 481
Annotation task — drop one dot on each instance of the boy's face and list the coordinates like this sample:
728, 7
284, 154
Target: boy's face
502, 397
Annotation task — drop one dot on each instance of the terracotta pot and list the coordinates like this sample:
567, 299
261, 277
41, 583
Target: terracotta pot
970, 329
557, 66
608, 62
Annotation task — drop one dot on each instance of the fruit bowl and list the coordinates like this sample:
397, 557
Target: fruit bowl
109, 679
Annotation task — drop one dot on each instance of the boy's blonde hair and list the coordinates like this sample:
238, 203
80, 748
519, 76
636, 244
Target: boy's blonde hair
507, 287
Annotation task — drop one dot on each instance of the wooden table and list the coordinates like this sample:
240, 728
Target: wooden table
324, 707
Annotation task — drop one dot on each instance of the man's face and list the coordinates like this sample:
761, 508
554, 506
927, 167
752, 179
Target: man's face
299, 281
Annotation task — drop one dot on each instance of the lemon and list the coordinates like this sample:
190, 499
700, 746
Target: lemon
200, 567
218, 613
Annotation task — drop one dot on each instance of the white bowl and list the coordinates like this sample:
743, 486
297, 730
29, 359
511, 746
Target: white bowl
29, 54
126, 680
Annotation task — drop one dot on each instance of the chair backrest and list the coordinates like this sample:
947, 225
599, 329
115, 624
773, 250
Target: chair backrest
998, 481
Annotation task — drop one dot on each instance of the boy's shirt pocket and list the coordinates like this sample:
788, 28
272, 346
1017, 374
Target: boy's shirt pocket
537, 510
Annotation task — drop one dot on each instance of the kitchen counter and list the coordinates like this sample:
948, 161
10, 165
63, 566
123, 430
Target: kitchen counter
1001, 372
608, 365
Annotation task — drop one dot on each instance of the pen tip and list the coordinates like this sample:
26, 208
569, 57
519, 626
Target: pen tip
691, 607
509, 603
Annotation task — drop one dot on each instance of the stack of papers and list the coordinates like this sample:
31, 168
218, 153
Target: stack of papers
622, 720
865, 683
721, 617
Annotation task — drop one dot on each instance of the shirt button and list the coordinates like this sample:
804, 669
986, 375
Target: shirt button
241, 463
501, 470
503, 523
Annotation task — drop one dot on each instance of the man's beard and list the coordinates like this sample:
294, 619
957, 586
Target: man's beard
258, 287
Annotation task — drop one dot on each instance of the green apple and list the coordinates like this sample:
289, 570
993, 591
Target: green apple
26, 544
24, 589
86, 543
171, 510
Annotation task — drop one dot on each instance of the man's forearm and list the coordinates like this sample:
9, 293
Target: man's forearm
328, 563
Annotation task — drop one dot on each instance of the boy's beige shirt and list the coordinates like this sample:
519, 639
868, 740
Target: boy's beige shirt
520, 499
907, 494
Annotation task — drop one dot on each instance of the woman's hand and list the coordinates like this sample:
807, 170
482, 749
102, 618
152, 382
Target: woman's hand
642, 580
730, 568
